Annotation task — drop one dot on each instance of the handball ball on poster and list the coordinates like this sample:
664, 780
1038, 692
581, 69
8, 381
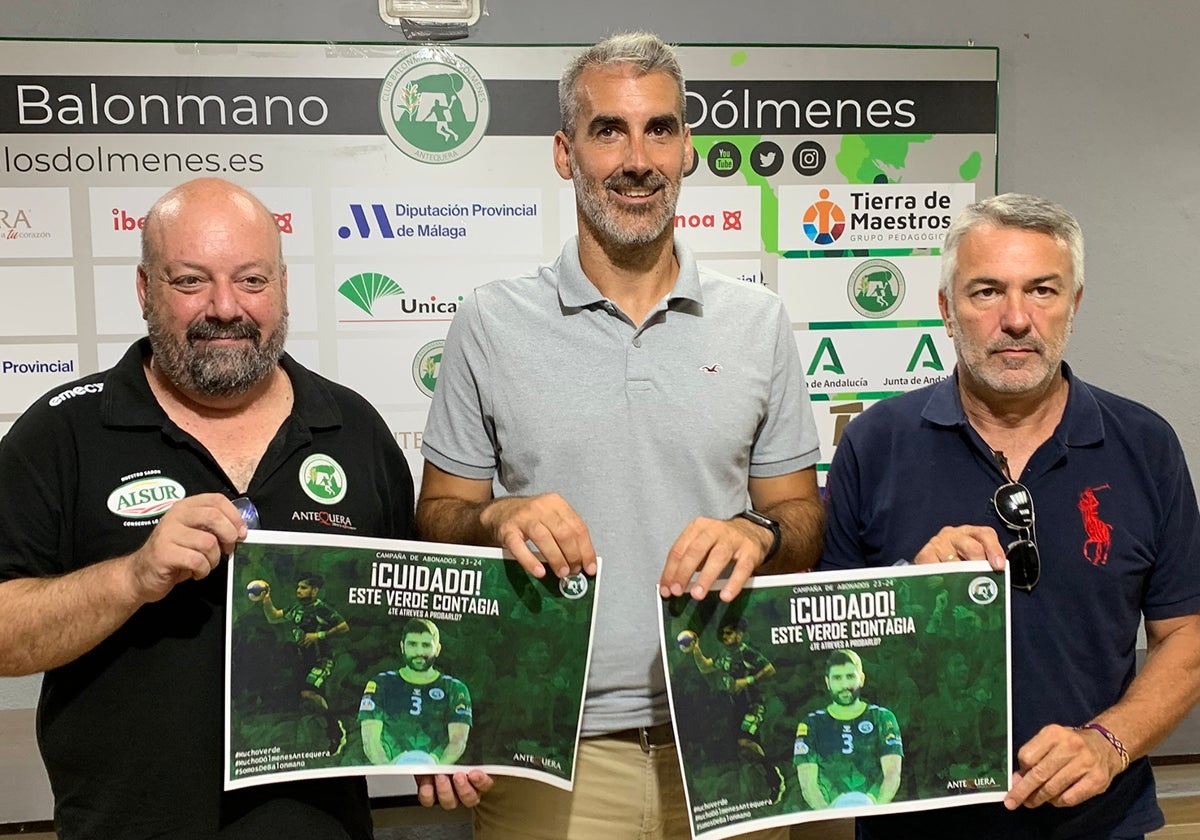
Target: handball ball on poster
414, 757
686, 641
256, 589
853, 799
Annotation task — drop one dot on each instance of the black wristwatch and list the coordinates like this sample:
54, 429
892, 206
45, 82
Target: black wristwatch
768, 523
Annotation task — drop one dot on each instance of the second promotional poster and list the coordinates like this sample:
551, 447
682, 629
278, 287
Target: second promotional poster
826, 695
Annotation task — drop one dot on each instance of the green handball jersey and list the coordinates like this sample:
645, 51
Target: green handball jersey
415, 717
848, 751
312, 617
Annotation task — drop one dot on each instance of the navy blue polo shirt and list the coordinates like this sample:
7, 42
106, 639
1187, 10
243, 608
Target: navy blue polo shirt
1118, 532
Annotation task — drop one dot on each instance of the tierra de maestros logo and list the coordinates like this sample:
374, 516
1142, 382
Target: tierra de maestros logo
434, 106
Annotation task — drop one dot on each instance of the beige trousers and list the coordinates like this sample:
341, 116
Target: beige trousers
621, 793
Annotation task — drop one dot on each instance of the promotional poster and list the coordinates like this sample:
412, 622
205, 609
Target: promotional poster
355, 656
868, 691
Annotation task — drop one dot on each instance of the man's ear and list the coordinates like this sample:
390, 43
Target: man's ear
562, 155
143, 283
944, 308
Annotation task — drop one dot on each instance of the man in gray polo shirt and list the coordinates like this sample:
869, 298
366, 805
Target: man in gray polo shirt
631, 405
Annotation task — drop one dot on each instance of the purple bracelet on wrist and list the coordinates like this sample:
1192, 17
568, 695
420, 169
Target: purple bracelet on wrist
1112, 739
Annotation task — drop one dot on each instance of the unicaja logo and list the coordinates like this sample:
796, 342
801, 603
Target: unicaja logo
434, 106
364, 289
824, 220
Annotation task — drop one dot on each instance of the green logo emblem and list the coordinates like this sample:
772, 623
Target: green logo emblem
364, 289
323, 479
573, 587
833, 365
983, 590
925, 345
876, 288
145, 498
433, 106
426, 365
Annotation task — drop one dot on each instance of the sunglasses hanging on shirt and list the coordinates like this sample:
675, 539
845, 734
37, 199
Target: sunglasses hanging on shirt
1014, 506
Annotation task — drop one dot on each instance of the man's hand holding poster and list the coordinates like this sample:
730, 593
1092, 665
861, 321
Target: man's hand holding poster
360, 656
868, 692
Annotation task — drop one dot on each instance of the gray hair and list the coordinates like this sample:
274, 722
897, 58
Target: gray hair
645, 50
1020, 211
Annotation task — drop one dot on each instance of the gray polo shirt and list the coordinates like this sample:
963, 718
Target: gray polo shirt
546, 386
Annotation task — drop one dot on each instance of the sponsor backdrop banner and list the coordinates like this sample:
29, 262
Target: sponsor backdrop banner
869, 692
402, 177
355, 656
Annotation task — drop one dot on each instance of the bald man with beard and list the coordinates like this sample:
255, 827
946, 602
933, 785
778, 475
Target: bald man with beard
116, 514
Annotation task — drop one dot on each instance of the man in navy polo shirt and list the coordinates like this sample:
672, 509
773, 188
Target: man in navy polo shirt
116, 512
959, 469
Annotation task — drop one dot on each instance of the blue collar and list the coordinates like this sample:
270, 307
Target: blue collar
1081, 423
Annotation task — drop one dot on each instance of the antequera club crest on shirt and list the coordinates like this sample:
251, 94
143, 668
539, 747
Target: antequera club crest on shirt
323, 479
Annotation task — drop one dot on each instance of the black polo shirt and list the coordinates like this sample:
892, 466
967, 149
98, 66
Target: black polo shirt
131, 732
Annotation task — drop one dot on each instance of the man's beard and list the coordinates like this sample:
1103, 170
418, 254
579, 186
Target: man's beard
426, 662
854, 695
215, 371
625, 226
976, 355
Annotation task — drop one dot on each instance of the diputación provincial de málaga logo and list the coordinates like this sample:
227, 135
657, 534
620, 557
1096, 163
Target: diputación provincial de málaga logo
434, 106
426, 365
875, 288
